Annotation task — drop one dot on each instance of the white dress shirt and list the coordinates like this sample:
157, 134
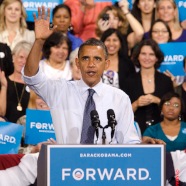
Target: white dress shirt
66, 100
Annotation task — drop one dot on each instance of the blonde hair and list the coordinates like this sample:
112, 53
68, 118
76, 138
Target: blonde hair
117, 12
177, 25
23, 45
4, 4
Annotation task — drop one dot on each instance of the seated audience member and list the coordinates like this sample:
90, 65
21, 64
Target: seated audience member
13, 28
120, 18
61, 16
84, 16
171, 129
17, 91
146, 87
171, 18
6, 64
120, 65
3, 93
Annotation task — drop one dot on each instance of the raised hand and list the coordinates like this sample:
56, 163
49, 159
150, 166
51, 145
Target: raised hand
124, 5
103, 25
42, 24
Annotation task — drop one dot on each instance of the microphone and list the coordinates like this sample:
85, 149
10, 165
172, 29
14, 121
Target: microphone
95, 121
111, 121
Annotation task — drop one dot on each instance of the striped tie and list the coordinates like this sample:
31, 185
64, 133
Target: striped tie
87, 134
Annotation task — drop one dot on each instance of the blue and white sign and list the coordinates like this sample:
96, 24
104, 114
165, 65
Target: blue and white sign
31, 6
181, 4
121, 165
39, 126
174, 53
10, 137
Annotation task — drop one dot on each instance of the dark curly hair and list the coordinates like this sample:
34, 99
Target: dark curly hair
154, 46
55, 39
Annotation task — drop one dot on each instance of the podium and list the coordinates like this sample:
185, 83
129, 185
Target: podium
101, 165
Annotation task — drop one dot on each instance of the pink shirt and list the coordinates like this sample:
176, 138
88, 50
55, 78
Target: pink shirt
84, 23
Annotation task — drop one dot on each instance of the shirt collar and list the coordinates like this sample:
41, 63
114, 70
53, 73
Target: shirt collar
84, 87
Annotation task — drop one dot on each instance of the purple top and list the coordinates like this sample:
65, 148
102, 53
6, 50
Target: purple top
182, 37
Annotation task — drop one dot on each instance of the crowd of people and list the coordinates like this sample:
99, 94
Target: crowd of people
102, 47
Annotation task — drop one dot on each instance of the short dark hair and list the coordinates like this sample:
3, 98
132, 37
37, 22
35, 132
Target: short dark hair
166, 25
94, 42
55, 39
56, 8
157, 51
168, 96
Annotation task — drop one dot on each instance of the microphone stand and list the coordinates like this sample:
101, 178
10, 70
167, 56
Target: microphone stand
104, 135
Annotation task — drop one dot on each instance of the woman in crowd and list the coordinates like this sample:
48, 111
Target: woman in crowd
144, 12
62, 18
167, 11
146, 88
13, 28
55, 63
56, 50
120, 18
171, 129
120, 66
17, 92
160, 32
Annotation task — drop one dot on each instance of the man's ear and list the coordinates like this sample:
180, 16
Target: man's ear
107, 64
77, 62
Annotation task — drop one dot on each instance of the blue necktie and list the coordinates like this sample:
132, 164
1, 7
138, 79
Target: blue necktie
87, 134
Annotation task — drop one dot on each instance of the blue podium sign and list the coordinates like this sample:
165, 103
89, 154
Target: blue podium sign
39, 126
109, 165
